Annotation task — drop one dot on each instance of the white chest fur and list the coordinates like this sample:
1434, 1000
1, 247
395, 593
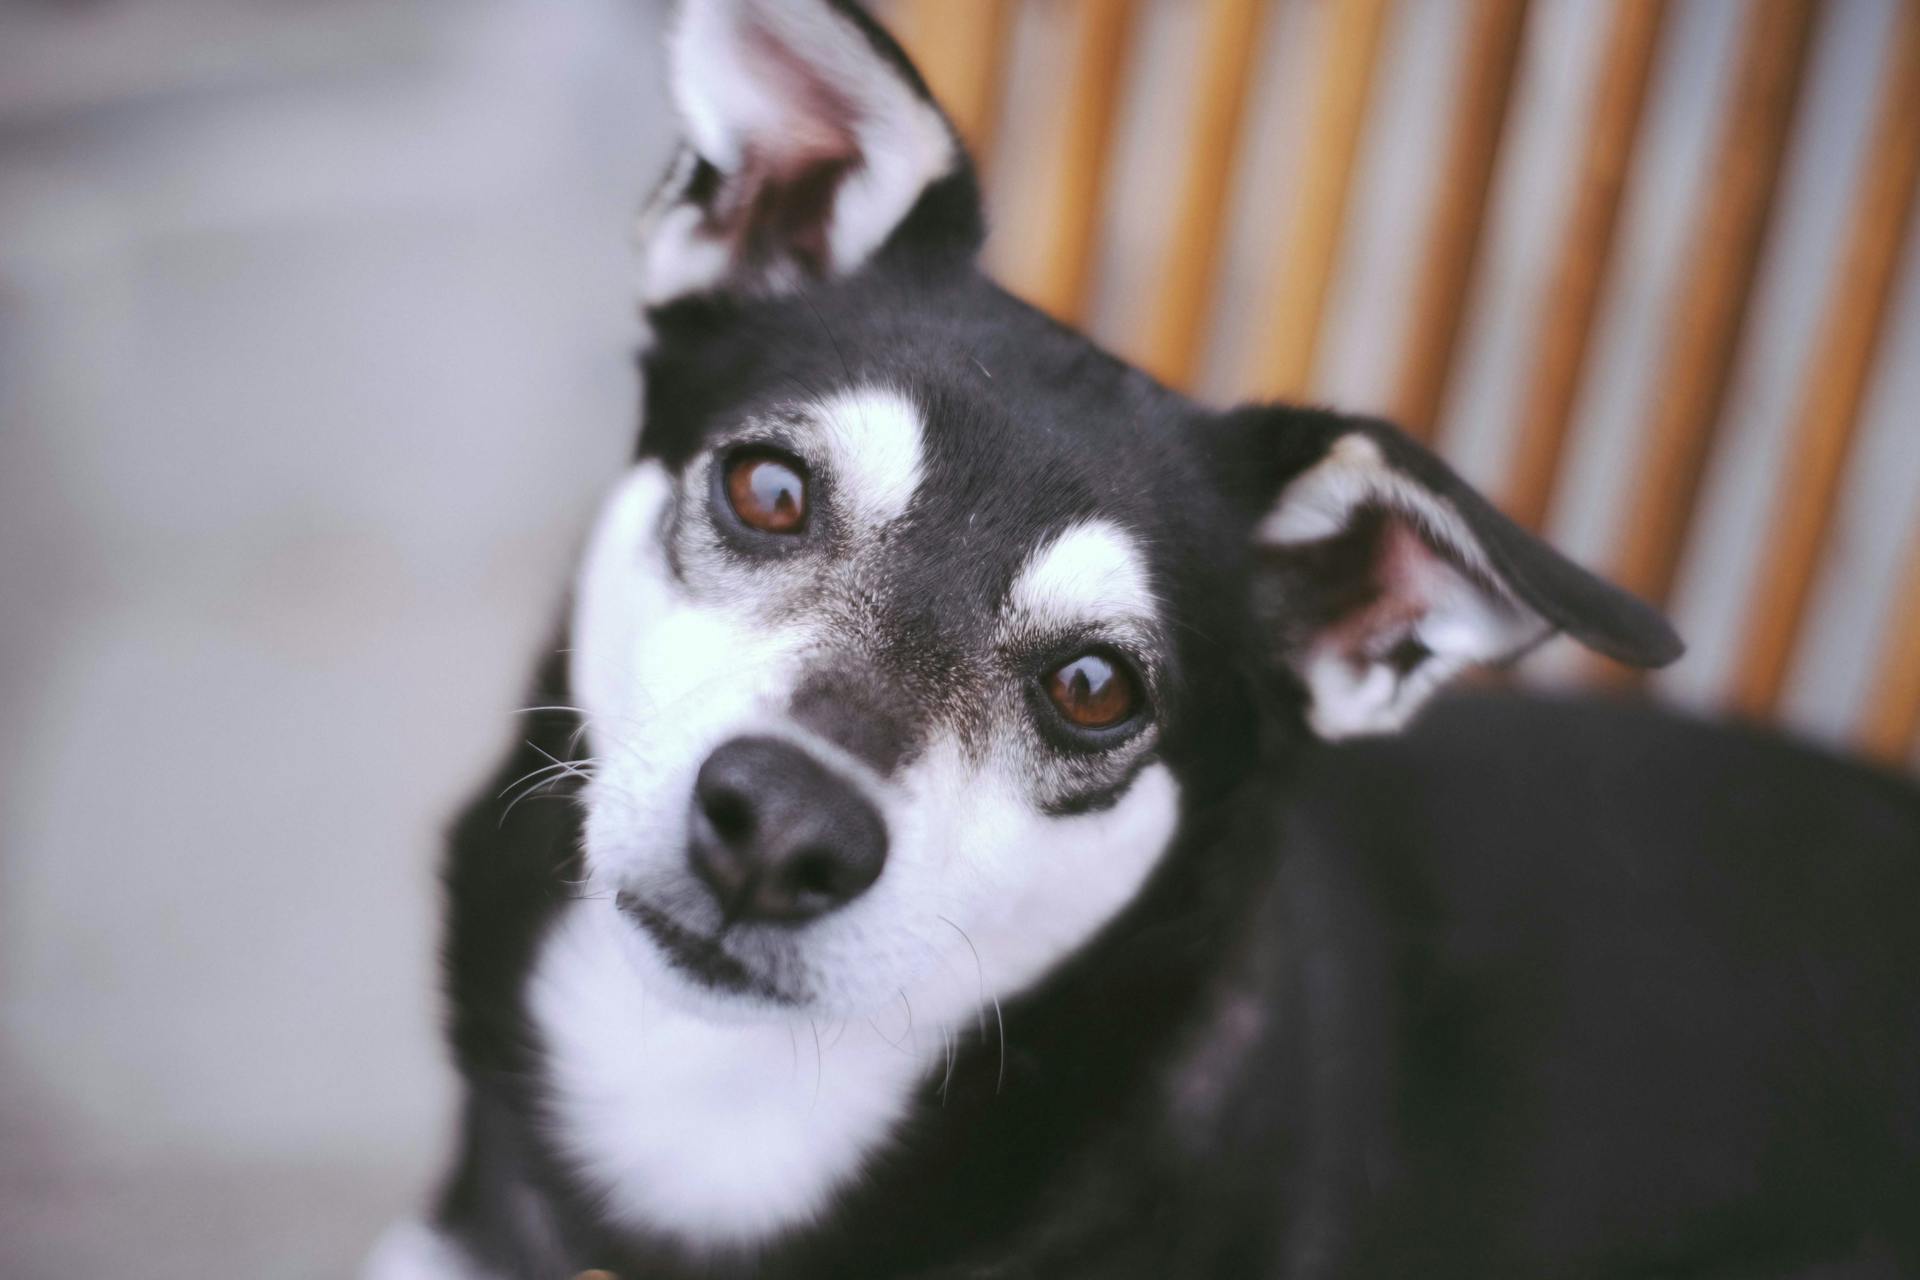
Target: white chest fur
715, 1135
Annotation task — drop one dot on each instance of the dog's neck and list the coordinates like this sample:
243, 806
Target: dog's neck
709, 1134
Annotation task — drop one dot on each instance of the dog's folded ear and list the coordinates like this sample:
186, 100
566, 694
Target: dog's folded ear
1380, 574
810, 143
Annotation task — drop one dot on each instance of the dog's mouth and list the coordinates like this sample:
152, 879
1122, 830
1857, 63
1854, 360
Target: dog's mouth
700, 957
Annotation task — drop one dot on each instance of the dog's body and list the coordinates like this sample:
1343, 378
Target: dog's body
953, 886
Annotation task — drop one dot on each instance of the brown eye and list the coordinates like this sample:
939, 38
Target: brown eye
766, 493
1092, 691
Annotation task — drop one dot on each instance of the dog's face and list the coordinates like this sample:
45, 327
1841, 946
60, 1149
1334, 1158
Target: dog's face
920, 626
868, 697
890, 644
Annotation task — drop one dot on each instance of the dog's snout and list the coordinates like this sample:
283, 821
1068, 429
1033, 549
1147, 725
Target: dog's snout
778, 836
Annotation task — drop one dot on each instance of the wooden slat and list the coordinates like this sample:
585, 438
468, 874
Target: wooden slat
1459, 212
1586, 252
1064, 274
1289, 335
1224, 71
961, 50
1837, 378
1892, 719
1719, 269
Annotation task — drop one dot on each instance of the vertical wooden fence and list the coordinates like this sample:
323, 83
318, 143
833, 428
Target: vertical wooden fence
963, 46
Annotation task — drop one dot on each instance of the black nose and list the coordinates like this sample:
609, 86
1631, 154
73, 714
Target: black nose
777, 836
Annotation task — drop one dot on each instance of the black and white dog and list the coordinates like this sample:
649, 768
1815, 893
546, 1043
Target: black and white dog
955, 883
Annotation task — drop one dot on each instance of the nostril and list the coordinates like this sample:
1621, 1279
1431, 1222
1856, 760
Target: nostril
779, 837
814, 871
730, 813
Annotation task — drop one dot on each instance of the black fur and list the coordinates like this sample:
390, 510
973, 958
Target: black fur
1539, 990
1543, 989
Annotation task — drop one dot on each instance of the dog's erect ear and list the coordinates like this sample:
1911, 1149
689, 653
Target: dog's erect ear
1380, 574
811, 141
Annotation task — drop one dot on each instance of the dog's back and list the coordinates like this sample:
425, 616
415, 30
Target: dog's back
1650, 990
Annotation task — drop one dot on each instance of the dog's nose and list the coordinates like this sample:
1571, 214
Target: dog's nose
777, 836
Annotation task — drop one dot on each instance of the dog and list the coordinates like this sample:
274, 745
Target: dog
988, 847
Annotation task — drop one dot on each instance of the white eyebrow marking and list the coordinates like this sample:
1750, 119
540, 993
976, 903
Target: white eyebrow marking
872, 438
1091, 572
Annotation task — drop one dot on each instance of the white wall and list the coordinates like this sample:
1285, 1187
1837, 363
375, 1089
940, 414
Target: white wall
315, 333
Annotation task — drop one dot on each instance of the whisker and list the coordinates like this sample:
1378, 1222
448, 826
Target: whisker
531, 793
819, 1066
536, 782
565, 764
904, 1035
835, 342
947, 1081
532, 774
1000, 1080
987, 997
979, 975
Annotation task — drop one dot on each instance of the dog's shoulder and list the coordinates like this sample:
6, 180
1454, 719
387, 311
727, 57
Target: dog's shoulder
1513, 825
1633, 968
1567, 778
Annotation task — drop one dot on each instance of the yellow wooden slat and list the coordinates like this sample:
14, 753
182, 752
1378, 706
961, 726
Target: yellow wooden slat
1223, 73
1287, 339
960, 47
1586, 252
1837, 378
1892, 719
1459, 212
1063, 274
1718, 272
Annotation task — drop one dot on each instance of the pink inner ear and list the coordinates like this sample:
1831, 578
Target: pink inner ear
778, 205
811, 144
1412, 571
819, 125
1406, 575
1405, 564
784, 208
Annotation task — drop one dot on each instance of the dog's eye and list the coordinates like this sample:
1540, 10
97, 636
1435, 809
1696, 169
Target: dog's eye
1093, 691
767, 492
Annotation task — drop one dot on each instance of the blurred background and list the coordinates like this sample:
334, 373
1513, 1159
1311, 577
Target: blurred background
315, 352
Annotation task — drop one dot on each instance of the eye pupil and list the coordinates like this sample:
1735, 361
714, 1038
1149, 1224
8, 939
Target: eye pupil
767, 493
1092, 691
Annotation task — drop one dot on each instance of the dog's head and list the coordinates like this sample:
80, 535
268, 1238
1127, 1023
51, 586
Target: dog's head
921, 625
